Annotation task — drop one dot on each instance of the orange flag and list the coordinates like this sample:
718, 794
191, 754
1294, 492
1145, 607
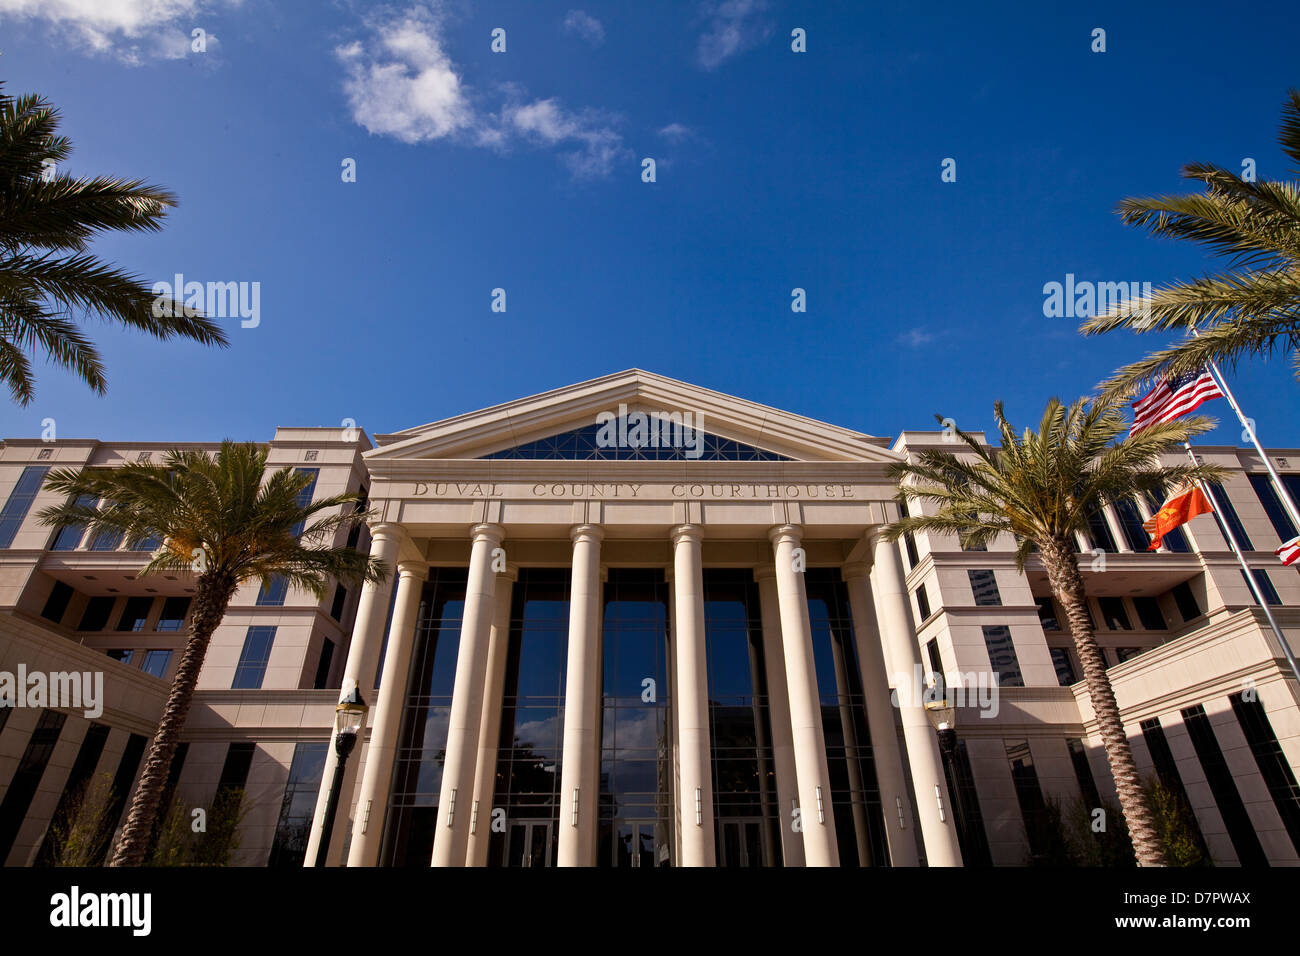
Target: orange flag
1179, 509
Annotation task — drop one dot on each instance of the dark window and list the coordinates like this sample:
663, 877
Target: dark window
1130, 523
106, 541
1123, 654
1030, 796
1149, 613
909, 540
173, 614
20, 502
1083, 771
273, 596
146, 544
1167, 772
922, 603
1047, 614
155, 663
57, 603
1235, 818
661, 439
305, 496
1272, 762
936, 664
1226, 512
1099, 532
234, 772
1186, 601
127, 766
254, 658
299, 807
27, 777
1265, 586
136, 614
1268, 497
323, 665
971, 837
1064, 666
1113, 614
88, 754
1002, 655
340, 598
121, 656
95, 617
984, 585
69, 536
1174, 540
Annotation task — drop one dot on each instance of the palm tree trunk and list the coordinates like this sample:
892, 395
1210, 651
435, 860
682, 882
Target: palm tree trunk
212, 595
1067, 584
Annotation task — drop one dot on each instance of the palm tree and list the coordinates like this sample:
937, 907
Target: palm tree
1042, 488
224, 517
1252, 308
47, 278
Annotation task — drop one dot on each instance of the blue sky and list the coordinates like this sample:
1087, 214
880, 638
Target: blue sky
522, 170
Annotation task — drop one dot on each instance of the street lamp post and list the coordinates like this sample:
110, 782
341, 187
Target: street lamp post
942, 711
349, 718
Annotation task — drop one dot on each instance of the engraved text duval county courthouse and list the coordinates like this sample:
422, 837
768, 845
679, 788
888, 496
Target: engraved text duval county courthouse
627, 489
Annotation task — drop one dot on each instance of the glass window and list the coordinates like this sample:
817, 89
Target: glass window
1064, 666
1113, 613
1241, 831
273, 596
909, 540
106, 541
922, 603
984, 585
121, 656
305, 496
340, 598
1099, 532
20, 502
57, 603
1002, 655
95, 617
1265, 586
254, 658
27, 776
661, 437
136, 614
299, 806
1268, 497
69, 536
1186, 601
323, 665
173, 614
1272, 762
1229, 515
1029, 794
1149, 613
1083, 771
1123, 654
1174, 540
1130, 523
155, 663
150, 543
1047, 614
936, 662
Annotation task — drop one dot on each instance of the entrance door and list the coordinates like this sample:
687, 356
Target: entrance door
528, 843
740, 841
634, 843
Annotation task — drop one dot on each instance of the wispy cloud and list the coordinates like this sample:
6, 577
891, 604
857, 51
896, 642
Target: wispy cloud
676, 132
915, 338
133, 31
579, 23
732, 26
401, 82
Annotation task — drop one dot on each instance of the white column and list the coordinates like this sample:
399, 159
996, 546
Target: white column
895, 801
813, 778
691, 700
456, 799
386, 722
359, 671
580, 770
490, 724
894, 617
787, 786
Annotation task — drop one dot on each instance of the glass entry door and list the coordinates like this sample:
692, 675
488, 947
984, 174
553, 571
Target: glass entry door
634, 843
740, 841
528, 843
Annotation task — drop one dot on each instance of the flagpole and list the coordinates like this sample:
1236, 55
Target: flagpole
1282, 493
1249, 575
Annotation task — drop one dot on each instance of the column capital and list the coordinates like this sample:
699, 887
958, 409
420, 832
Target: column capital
419, 570
488, 532
387, 529
765, 571
511, 573
855, 569
588, 532
788, 532
692, 532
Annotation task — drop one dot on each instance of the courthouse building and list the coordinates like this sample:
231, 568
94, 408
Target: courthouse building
634, 622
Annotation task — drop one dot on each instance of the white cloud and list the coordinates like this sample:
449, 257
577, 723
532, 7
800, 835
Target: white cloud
733, 27
578, 23
676, 132
401, 82
915, 338
133, 31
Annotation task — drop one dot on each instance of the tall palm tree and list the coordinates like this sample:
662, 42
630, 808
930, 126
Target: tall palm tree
47, 278
225, 518
1253, 308
1042, 488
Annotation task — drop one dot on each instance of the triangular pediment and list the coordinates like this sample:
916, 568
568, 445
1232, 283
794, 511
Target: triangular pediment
563, 424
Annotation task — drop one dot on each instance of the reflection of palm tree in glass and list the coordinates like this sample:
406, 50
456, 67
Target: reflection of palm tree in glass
530, 789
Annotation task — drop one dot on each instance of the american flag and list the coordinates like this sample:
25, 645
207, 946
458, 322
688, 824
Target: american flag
1288, 553
1172, 397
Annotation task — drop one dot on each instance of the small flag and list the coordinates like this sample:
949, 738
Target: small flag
1288, 553
1179, 509
1172, 397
